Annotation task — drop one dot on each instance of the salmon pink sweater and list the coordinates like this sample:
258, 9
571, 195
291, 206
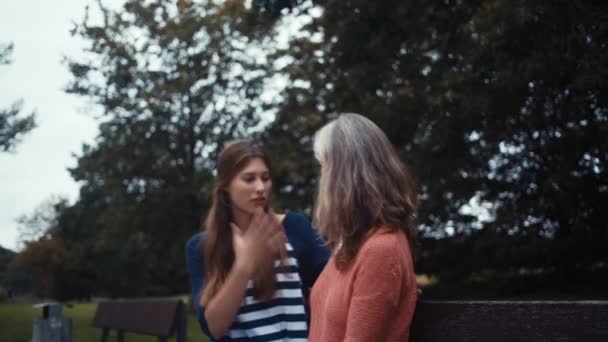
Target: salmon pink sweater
373, 300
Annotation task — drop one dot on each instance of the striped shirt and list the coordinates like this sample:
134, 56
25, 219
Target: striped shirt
283, 318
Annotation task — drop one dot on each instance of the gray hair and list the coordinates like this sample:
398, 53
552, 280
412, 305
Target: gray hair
363, 184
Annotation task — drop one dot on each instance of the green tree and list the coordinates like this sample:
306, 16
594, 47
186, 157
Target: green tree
12, 127
6, 256
498, 101
42, 257
174, 81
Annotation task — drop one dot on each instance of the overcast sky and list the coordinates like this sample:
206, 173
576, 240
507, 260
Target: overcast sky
37, 169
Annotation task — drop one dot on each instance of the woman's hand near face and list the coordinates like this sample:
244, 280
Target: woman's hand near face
257, 244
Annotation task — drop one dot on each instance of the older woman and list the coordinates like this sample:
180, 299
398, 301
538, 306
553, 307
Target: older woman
365, 208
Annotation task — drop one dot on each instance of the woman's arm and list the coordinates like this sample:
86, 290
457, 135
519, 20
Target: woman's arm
376, 293
195, 266
252, 246
224, 306
315, 253
216, 317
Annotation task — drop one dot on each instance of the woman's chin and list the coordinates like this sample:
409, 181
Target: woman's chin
264, 206
250, 209
260, 205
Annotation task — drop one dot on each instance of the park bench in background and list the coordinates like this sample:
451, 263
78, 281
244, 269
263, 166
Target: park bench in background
434, 321
510, 321
160, 318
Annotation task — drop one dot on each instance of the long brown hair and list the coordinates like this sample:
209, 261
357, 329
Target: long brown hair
217, 248
363, 186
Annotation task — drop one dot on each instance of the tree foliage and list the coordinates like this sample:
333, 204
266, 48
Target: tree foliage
498, 107
168, 77
12, 127
499, 103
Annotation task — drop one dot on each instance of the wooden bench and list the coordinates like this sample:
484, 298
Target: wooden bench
510, 321
160, 318
434, 321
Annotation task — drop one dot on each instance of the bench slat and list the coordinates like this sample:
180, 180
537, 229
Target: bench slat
504, 321
155, 317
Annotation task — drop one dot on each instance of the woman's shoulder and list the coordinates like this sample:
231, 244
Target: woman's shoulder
193, 245
194, 255
294, 220
298, 228
195, 239
385, 243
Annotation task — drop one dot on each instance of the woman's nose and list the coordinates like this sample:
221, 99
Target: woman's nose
259, 185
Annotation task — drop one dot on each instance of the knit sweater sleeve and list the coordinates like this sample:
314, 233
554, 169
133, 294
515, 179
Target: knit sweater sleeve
376, 290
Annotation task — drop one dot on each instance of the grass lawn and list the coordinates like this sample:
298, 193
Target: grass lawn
16, 324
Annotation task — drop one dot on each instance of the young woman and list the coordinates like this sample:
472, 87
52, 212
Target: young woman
364, 211
251, 269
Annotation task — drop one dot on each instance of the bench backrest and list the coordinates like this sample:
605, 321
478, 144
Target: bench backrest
512, 321
161, 318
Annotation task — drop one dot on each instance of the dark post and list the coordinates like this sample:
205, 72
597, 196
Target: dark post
182, 323
104, 334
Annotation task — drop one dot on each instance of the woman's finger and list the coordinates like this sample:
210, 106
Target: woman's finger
258, 216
